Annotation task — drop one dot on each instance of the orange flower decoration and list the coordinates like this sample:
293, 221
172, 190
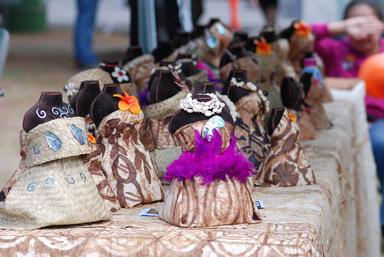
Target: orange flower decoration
128, 103
302, 29
91, 138
292, 117
262, 47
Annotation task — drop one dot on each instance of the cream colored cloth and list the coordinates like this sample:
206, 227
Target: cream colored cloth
367, 203
56, 187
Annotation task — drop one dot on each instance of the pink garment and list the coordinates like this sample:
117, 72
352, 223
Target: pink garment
341, 60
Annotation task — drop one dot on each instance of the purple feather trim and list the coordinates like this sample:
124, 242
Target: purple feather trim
209, 163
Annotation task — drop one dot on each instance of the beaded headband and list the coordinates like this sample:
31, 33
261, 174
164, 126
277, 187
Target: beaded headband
213, 106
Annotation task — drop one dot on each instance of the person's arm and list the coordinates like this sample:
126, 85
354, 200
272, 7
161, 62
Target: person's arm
356, 27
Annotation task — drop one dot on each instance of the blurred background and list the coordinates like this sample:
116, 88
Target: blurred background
41, 50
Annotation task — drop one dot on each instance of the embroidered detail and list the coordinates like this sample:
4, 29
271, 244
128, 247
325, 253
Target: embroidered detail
50, 182
220, 28
41, 113
36, 149
262, 47
216, 122
128, 103
120, 74
292, 117
53, 141
83, 177
91, 138
70, 89
208, 108
211, 41
77, 133
64, 111
70, 179
31, 187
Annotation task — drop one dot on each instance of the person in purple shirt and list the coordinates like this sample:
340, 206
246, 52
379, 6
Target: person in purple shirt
343, 47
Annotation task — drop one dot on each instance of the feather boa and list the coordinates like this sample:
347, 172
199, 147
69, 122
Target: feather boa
209, 162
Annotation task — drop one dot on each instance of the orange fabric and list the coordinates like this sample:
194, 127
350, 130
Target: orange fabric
233, 8
372, 72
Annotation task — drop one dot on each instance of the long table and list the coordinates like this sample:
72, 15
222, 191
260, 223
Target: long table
336, 217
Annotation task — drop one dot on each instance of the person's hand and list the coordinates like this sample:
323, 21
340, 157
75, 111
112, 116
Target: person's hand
360, 27
356, 27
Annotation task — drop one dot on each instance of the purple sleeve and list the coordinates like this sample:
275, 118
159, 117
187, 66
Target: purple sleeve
324, 43
320, 30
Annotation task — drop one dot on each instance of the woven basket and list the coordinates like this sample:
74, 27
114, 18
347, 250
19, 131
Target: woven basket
56, 187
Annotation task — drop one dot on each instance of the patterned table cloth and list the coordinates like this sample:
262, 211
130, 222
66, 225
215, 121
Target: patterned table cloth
336, 217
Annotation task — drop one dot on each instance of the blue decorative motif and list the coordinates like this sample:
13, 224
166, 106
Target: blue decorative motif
220, 28
83, 177
31, 187
70, 179
36, 149
50, 182
53, 141
77, 133
211, 42
213, 123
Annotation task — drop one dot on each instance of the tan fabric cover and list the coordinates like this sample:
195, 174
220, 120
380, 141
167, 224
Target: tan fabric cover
189, 203
140, 70
155, 133
284, 65
285, 164
93, 162
96, 74
129, 167
300, 45
252, 138
185, 136
306, 127
317, 114
56, 187
245, 63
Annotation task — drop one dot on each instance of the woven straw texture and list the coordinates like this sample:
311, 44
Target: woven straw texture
164, 108
130, 170
38, 141
140, 70
20, 169
60, 191
96, 74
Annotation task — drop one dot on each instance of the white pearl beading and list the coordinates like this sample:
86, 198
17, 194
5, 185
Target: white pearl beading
253, 87
231, 106
264, 100
248, 85
208, 108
